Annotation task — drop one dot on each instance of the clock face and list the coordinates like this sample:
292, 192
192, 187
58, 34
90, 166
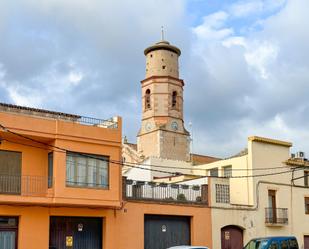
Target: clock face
174, 126
148, 126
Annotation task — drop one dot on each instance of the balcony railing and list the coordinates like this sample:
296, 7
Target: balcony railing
108, 123
163, 192
24, 185
276, 216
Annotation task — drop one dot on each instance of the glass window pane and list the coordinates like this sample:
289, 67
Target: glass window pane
87, 170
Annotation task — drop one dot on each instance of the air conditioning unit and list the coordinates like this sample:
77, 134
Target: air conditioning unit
300, 154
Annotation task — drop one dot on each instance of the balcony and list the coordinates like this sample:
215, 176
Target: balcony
276, 216
166, 193
24, 185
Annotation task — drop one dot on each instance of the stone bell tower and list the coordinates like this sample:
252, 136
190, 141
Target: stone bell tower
162, 133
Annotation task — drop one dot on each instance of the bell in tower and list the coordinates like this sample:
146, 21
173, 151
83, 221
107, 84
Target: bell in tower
162, 133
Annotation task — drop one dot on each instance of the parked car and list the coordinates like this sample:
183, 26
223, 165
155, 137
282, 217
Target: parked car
282, 242
188, 247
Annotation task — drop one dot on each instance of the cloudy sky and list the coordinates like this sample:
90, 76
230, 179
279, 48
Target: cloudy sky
245, 63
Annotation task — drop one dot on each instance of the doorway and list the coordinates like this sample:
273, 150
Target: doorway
231, 237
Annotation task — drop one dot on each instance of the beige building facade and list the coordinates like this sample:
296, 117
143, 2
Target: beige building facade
263, 192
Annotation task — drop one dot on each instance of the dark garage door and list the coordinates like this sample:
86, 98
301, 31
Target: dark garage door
75, 233
162, 231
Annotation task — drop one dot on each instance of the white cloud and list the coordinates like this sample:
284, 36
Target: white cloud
234, 41
212, 27
260, 56
75, 77
247, 8
85, 56
255, 83
24, 97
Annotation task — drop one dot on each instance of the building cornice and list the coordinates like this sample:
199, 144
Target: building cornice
297, 162
269, 141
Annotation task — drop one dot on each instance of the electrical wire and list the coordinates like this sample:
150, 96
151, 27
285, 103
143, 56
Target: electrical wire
134, 165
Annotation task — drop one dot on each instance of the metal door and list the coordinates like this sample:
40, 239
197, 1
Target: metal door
231, 237
306, 242
162, 231
75, 233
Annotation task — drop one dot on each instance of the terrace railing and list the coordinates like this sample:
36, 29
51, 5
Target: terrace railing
23, 185
108, 123
163, 192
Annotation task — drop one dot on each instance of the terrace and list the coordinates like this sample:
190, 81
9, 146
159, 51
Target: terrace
166, 193
103, 123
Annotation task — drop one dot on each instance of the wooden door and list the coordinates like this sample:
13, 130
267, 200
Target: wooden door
306, 242
164, 231
231, 237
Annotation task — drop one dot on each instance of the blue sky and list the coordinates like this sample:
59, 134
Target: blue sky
244, 63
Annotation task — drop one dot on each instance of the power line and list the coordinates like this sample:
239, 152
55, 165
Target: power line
134, 165
137, 164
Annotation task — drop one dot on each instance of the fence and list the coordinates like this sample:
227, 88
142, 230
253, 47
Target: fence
163, 192
23, 185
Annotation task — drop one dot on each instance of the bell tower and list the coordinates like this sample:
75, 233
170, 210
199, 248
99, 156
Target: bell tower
162, 133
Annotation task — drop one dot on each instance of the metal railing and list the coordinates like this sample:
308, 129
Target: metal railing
24, 185
163, 192
108, 123
276, 216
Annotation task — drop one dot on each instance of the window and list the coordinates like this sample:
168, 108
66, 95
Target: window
284, 244
8, 232
163, 67
222, 193
50, 169
147, 99
293, 244
174, 99
256, 244
306, 178
227, 171
274, 245
306, 205
10, 172
214, 172
85, 170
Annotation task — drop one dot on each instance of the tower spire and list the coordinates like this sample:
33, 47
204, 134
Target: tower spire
162, 33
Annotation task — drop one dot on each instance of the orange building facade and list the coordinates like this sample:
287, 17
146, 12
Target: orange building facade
61, 187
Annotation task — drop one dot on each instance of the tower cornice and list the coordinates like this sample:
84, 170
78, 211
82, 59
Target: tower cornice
163, 77
163, 45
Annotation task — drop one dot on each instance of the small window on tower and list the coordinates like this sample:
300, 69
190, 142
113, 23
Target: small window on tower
174, 99
163, 67
150, 55
147, 99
